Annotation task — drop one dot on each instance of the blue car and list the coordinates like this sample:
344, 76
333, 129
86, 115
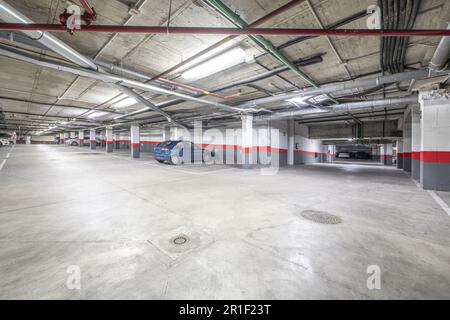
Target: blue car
173, 152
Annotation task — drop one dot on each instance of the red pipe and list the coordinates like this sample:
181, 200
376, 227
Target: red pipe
230, 31
256, 23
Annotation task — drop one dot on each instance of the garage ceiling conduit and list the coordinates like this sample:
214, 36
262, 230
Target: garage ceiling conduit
442, 54
263, 42
344, 107
16, 54
342, 86
11, 15
149, 106
8, 13
229, 31
256, 23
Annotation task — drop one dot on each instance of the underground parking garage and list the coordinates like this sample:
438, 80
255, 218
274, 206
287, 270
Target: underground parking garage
242, 150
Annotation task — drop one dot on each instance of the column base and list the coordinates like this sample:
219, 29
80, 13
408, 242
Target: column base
109, 147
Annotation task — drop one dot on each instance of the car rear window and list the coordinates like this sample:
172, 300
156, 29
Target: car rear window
167, 143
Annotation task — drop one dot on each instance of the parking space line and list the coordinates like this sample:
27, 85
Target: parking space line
439, 201
7, 157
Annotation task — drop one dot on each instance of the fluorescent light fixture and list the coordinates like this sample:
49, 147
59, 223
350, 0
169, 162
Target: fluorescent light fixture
217, 64
125, 103
299, 100
118, 98
97, 114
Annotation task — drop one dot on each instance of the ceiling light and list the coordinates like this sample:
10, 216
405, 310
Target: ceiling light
299, 100
217, 64
97, 114
125, 103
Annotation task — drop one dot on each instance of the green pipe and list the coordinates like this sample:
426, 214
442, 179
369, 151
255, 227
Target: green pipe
266, 44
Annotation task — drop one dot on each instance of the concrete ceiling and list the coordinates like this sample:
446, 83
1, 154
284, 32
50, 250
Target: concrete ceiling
51, 93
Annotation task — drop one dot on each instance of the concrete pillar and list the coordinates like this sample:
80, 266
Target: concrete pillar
407, 142
109, 139
135, 141
198, 141
166, 133
415, 143
291, 142
66, 136
247, 141
435, 140
382, 153
92, 141
73, 134
388, 150
61, 138
116, 141
81, 137
400, 153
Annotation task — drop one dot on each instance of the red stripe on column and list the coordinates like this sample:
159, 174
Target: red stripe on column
109, 142
135, 145
92, 141
400, 155
407, 155
415, 155
435, 156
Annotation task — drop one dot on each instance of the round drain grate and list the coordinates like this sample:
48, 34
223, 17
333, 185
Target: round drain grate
321, 217
180, 240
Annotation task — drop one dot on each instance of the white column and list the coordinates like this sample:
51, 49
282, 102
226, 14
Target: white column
198, 142
435, 140
291, 142
247, 140
400, 153
166, 133
109, 139
92, 140
81, 137
135, 141
407, 142
415, 143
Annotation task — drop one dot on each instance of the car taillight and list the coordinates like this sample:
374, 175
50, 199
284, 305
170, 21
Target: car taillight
164, 149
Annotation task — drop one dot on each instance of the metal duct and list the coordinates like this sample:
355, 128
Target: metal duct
341, 86
441, 55
16, 54
344, 107
149, 106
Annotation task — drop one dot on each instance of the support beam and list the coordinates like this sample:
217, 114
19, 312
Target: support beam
135, 141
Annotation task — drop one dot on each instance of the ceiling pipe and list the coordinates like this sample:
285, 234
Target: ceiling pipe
229, 31
342, 86
344, 107
235, 19
11, 15
18, 55
149, 106
256, 23
441, 55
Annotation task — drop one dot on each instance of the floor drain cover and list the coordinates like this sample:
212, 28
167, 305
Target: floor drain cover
321, 217
180, 240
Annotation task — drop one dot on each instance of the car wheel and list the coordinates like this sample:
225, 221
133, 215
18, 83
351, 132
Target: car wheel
74, 144
175, 160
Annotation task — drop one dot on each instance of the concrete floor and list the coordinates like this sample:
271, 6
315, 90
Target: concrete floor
114, 218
